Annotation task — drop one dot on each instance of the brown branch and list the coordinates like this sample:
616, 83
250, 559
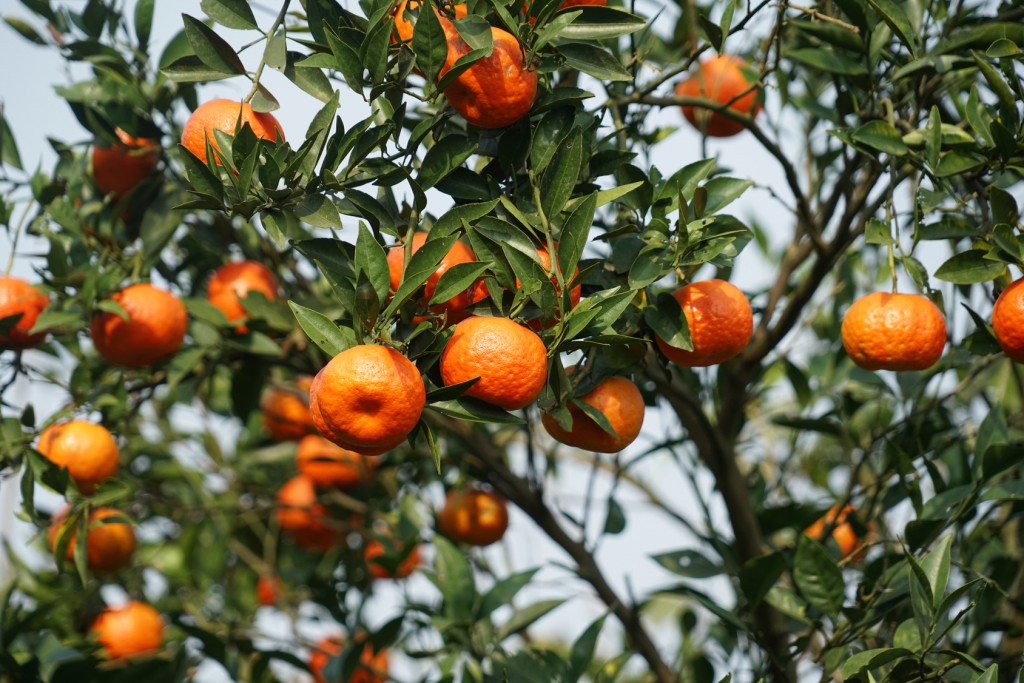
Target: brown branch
517, 489
719, 455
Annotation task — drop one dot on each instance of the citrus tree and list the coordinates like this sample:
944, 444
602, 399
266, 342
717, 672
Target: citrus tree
299, 366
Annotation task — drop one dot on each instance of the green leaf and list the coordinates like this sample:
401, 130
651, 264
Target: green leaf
989, 675
818, 577
319, 211
448, 153
936, 568
456, 280
191, 69
504, 591
692, 564
372, 260
422, 265
429, 42
212, 50
24, 30
575, 232
893, 15
667, 320
582, 653
230, 13
523, 618
872, 659
474, 411
548, 135
311, 80
322, 330
560, 178
615, 518
8, 149
758, 575
597, 23
970, 267
654, 262
143, 20
722, 191
455, 579
593, 61
828, 61
882, 136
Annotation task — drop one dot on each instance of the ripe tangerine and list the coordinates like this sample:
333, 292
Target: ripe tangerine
128, 631
883, 331
87, 450
509, 359
619, 401
367, 399
473, 516
233, 281
156, 326
720, 321
223, 115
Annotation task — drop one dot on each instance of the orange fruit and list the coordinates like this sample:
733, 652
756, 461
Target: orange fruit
328, 464
720, 321
473, 516
284, 411
883, 331
406, 14
372, 667
156, 326
454, 309
509, 359
133, 629
118, 168
722, 80
842, 531
233, 281
18, 297
109, 547
301, 517
1008, 320
622, 405
375, 549
223, 114
497, 90
367, 399
86, 449
268, 589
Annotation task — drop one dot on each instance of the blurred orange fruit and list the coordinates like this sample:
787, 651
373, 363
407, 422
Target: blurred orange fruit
284, 411
375, 550
406, 14
118, 168
128, 631
233, 281
19, 297
723, 80
473, 516
330, 465
87, 450
268, 589
109, 546
372, 667
842, 531
300, 515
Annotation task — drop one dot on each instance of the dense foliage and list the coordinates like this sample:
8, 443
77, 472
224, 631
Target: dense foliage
895, 129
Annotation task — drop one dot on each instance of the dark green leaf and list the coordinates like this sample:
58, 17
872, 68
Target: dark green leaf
322, 330
969, 267
230, 13
818, 577
594, 61
212, 50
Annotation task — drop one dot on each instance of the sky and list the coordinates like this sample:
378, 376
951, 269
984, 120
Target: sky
34, 112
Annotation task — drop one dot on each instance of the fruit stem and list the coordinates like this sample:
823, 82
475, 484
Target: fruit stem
263, 60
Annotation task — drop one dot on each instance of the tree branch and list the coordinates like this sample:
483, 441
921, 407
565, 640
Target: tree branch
518, 490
